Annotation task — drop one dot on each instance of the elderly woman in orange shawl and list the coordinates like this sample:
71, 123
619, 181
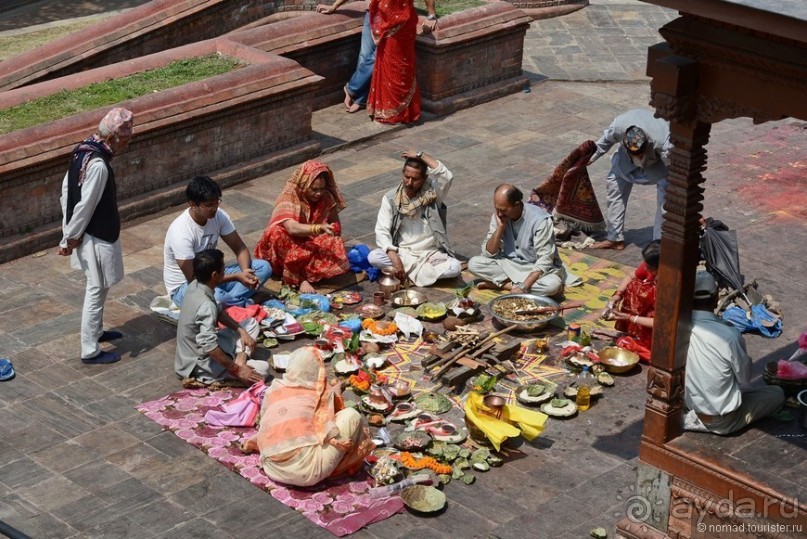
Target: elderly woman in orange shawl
302, 241
306, 435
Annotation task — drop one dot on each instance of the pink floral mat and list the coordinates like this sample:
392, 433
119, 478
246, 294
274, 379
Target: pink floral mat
340, 506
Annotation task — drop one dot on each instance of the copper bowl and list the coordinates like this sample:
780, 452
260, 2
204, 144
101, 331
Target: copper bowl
495, 403
618, 360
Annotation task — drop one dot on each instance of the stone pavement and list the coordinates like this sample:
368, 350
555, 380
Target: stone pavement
77, 460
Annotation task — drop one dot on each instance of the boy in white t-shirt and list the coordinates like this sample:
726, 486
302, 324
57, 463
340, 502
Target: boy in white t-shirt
199, 228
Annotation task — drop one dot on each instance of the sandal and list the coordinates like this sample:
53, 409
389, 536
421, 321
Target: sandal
6, 370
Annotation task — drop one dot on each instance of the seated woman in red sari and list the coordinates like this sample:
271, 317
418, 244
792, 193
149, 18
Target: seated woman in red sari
302, 241
306, 434
633, 305
394, 93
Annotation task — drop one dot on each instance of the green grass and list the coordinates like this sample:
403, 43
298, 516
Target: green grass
14, 44
101, 94
446, 7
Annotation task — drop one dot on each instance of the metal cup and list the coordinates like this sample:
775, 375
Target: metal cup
378, 298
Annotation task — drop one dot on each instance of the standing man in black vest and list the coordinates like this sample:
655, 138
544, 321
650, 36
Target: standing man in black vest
91, 227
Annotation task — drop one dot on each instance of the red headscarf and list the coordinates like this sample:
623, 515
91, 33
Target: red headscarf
292, 203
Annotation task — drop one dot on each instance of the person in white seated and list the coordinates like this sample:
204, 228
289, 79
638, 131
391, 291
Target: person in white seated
198, 228
519, 253
718, 371
205, 352
410, 230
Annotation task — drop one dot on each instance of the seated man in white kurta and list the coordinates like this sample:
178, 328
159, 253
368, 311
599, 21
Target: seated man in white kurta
411, 227
519, 252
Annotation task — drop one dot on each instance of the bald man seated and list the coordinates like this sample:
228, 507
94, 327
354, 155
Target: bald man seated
519, 252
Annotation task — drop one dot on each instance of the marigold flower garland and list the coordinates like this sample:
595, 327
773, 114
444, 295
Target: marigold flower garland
379, 327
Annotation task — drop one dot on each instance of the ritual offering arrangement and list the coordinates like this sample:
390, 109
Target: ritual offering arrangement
400, 389
559, 408
346, 297
423, 499
412, 440
527, 311
407, 298
377, 400
379, 331
433, 402
535, 393
571, 391
465, 309
409, 311
347, 366
404, 411
371, 311
374, 361
605, 379
431, 311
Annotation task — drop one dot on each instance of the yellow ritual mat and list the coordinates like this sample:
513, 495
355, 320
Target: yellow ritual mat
600, 279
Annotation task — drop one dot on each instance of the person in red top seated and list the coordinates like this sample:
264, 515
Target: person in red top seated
633, 305
302, 241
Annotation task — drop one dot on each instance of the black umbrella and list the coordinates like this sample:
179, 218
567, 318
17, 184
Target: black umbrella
719, 249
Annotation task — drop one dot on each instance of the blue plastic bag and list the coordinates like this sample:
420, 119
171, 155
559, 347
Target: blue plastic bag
761, 320
357, 256
353, 324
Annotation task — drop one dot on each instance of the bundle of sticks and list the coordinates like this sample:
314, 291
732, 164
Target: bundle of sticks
471, 350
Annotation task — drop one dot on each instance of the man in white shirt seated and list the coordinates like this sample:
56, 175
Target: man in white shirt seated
410, 230
199, 228
718, 371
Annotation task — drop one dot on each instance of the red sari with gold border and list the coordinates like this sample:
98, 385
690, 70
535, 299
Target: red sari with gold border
309, 259
394, 93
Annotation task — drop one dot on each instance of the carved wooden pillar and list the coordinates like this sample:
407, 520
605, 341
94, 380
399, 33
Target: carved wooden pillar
674, 94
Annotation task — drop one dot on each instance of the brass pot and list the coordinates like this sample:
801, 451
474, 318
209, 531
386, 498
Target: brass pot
388, 283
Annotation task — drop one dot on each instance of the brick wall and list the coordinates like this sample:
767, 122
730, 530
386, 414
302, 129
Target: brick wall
474, 56
225, 126
210, 126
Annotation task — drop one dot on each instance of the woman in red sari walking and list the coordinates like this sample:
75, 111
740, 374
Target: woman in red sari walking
302, 241
394, 93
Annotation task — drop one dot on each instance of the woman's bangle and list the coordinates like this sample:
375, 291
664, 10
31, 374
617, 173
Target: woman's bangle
635, 318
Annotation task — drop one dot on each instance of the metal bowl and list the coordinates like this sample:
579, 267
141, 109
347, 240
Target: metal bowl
407, 298
526, 325
618, 360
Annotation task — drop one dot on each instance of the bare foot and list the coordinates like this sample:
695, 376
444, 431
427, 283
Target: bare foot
306, 288
487, 285
609, 244
348, 99
355, 107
